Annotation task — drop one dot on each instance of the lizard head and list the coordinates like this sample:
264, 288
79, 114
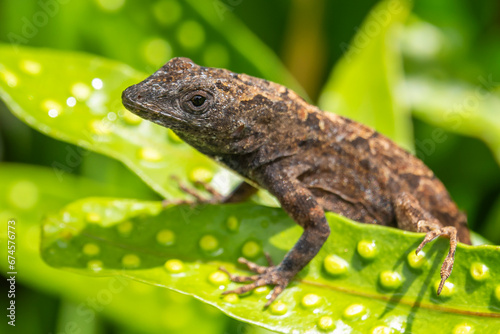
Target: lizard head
214, 110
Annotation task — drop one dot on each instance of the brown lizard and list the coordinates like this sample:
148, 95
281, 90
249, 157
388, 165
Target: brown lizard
312, 161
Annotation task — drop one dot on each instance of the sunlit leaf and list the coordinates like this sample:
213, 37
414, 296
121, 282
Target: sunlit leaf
28, 193
364, 277
363, 84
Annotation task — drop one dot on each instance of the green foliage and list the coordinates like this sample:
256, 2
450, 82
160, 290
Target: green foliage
365, 276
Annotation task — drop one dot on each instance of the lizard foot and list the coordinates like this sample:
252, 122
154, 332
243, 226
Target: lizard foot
272, 275
216, 196
447, 267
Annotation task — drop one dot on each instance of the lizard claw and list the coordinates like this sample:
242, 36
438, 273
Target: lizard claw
273, 275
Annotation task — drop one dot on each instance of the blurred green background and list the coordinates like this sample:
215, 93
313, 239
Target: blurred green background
446, 50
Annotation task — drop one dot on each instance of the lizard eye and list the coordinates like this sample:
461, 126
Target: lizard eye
197, 102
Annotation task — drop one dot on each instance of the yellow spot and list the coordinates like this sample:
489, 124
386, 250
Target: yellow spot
201, 174
261, 290
367, 249
131, 261
174, 266
310, 300
326, 323
382, 330
216, 55
167, 12
81, 91
232, 224
125, 228
209, 243
93, 217
231, 298
31, 67
191, 34
110, 5
335, 265
448, 288
173, 136
52, 107
479, 271
417, 261
95, 265
156, 51
91, 249
150, 154
278, 308
354, 311
463, 329
497, 293
165, 237
9, 78
130, 118
390, 279
218, 278
23, 194
251, 249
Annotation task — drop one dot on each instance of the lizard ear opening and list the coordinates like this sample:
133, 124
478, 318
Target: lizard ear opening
197, 102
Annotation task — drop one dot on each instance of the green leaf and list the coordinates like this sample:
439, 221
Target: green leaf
459, 108
28, 193
364, 83
365, 277
80, 102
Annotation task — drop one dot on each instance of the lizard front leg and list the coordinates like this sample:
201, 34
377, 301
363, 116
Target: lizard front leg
301, 206
412, 217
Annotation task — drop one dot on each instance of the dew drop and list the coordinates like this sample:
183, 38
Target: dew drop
310, 300
191, 34
95, 265
335, 265
31, 67
209, 243
218, 278
354, 311
71, 101
131, 261
53, 108
111, 116
231, 298
417, 261
53, 113
174, 266
367, 249
326, 323
165, 237
150, 154
251, 249
463, 329
93, 217
278, 308
23, 194
479, 271
232, 224
167, 12
91, 249
201, 174
97, 83
390, 280
81, 91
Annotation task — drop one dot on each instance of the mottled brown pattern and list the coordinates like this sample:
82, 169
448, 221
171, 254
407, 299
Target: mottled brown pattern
312, 161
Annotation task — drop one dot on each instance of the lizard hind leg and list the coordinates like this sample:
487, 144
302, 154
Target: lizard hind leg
412, 217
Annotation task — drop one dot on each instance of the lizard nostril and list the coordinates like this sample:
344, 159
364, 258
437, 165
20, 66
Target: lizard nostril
139, 96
